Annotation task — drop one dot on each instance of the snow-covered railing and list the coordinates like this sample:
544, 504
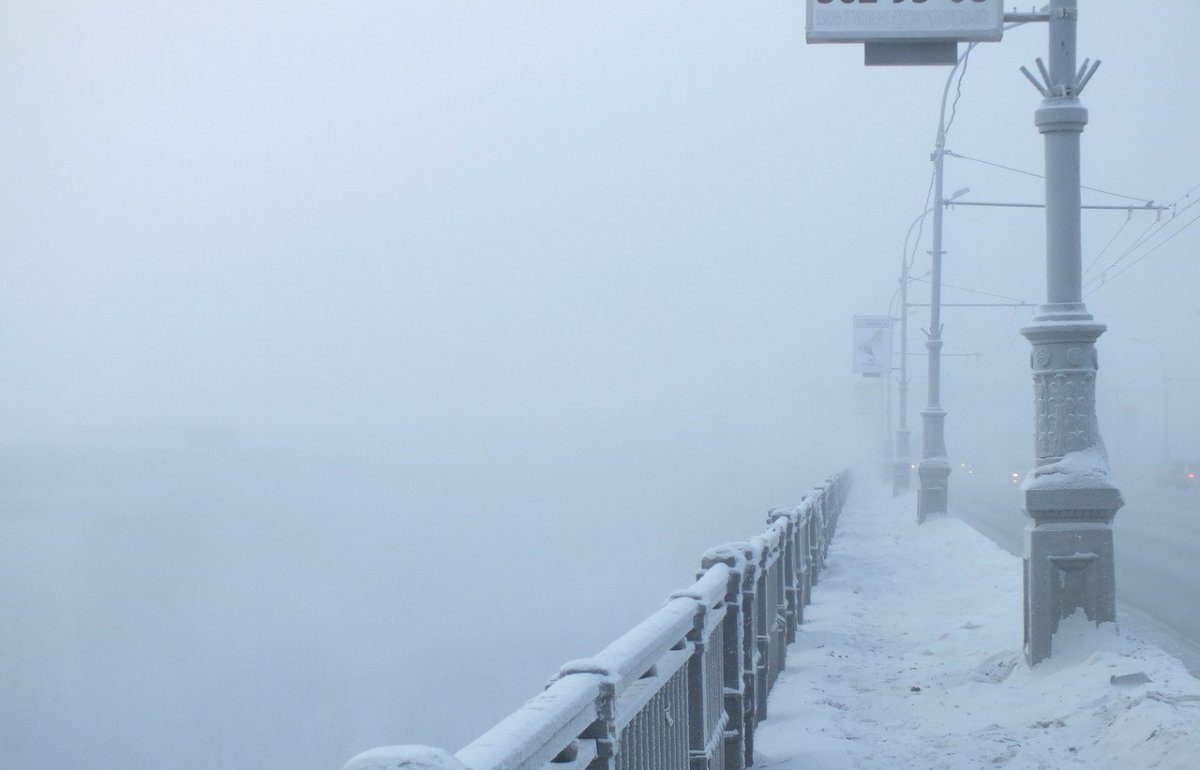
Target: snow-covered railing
684, 688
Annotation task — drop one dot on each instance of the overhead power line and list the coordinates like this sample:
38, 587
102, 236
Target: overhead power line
1152, 231
1043, 176
1148, 252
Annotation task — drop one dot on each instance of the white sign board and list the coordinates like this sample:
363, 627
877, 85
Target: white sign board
872, 344
868, 21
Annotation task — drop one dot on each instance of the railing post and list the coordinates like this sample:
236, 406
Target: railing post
698, 694
705, 693
803, 522
733, 657
791, 572
826, 520
604, 730
750, 613
816, 536
777, 620
758, 632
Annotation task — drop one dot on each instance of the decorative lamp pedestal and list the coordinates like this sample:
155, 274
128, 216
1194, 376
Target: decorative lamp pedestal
1070, 496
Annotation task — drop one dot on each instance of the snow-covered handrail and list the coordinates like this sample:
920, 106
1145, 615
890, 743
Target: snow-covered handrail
684, 688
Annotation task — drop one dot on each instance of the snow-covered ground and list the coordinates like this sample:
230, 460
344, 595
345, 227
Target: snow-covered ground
910, 656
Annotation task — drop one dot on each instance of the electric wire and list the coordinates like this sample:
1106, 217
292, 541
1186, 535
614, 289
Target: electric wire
1138, 240
925, 279
1153, 230
921, 222
957, 94
1145, 201
945, 132
1111, 241
1150, 251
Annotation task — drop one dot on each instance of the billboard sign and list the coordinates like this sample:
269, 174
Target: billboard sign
873, 21
872, 344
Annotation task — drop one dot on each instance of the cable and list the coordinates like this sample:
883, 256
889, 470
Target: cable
1111, 240
1162, 243
923, 279
957, 95
933, 175
1141, 238
921, 223
1004, 335
1043, 176
1152, 230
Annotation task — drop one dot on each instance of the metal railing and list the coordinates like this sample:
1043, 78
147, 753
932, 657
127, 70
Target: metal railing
687, 686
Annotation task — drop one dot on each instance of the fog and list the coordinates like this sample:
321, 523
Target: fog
364, 362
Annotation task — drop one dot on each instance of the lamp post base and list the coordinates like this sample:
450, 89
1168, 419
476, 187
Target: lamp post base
1070, 496
1069, 565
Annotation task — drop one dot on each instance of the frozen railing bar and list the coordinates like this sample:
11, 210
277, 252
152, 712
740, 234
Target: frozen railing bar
733, 659
404, 758
634, 654
684, 688
710, 588
794, 582
533, 735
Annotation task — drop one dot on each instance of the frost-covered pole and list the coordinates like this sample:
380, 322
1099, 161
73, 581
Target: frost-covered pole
934, 469
1070, 497
901, 470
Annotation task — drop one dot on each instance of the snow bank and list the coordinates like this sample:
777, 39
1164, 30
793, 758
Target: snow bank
910, 656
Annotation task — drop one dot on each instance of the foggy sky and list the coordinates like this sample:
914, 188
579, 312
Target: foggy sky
401, 221
543, 265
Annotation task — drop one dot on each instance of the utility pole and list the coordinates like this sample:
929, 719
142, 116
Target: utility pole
902, 464
901, 470
1070, 496
934, 469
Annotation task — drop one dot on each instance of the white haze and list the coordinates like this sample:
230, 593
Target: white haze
364, 362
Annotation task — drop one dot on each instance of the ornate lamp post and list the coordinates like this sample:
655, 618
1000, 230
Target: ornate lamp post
1070, 497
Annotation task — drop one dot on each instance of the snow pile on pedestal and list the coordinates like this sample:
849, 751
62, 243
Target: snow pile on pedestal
910, 656
1083, 469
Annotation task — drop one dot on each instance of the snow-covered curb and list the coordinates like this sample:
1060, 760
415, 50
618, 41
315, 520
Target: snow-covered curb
910, 656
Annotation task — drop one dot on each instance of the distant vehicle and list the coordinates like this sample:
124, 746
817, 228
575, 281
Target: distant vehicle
1180, 474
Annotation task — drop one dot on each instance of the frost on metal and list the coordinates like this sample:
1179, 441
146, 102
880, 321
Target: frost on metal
412, 757
684, 688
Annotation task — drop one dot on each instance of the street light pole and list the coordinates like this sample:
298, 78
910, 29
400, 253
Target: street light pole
1069, 497
934, 470
902, 464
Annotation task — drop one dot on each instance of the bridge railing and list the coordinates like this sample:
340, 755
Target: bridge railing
687, 686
